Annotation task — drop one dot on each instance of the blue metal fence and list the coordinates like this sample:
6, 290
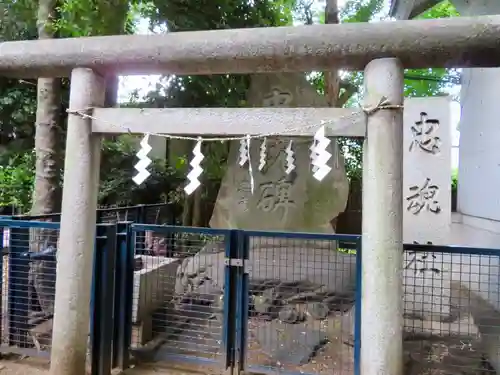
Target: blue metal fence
317, 276
255, 301
171, 320
27, 310
28, 291
236, 266
124, 283
452, 309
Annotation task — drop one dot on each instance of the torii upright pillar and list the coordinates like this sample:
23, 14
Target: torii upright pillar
382, 247
78, 226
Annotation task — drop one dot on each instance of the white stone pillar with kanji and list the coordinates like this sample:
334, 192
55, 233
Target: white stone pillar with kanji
427, 170
427, 206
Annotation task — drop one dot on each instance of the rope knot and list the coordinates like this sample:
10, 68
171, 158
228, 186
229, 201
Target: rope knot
84, 113
383, 103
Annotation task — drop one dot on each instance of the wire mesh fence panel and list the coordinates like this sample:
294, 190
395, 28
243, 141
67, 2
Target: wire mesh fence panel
158, 213
164, 214
451, 310
161, 213
178, 292
302, 290
117, 214
28, 290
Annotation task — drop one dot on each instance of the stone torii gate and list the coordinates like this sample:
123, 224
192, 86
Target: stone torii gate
381, 49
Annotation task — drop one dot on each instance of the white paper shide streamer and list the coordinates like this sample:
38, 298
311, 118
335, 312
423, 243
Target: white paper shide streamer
244, 153
322, 156
314, 155
244, 157
143, 162
290, 159
250, 170
263, 154
196, 171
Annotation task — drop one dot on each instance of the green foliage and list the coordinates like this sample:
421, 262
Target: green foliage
190, 15
117, 187
18, 20
352, 150
360, 10
17, 176
429, 82
454, 179
17, 171
17, 97
93, 17
444, 9
17, 113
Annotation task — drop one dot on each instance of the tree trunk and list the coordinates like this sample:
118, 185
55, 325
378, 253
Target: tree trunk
187, 211
332, 80
47, 191
111, 95
197, 202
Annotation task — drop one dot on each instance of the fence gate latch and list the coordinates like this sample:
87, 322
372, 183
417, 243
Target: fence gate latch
233, 262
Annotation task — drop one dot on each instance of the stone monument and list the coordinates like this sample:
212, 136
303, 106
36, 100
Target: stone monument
295, 202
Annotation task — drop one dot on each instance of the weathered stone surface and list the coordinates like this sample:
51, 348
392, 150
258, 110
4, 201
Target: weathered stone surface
437, 348
450, 355
295, 202
426, 286
291, 344
322, 272
290, 314
460, 327
153, 283
477, 298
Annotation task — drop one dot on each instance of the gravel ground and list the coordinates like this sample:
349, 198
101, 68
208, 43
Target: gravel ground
159, 370
36, 366
26, 366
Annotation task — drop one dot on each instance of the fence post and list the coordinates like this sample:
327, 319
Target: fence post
18, 287
141, 214
357, 310
99, 213
124, 284
2, 228
102, 307
141, 236
230, 299
243, 284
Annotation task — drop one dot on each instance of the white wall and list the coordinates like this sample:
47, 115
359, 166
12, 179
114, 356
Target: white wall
479, 166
